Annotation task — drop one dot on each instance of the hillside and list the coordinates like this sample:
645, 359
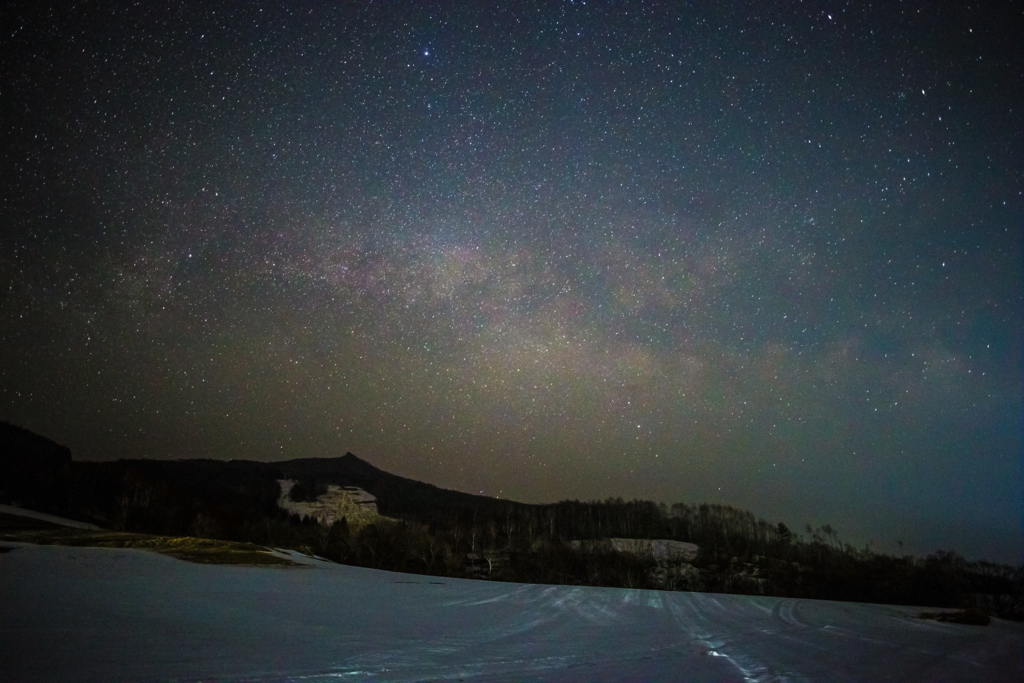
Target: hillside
396, 496
428, 530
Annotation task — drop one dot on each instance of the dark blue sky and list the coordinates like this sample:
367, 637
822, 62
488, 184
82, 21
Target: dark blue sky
761, 255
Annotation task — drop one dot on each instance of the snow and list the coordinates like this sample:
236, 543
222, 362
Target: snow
351, 502
98, 614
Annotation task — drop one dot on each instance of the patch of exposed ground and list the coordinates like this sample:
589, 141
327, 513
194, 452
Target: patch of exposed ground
201, 550
970, 617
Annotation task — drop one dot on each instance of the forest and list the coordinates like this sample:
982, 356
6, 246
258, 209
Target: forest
427, 530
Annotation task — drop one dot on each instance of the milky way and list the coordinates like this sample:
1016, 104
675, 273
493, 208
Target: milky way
681, 252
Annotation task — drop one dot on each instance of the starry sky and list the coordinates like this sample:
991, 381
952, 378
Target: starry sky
763, 254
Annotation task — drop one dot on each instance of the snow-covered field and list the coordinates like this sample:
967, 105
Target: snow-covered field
95, 614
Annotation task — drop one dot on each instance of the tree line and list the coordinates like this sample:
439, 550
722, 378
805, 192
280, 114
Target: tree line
427, 530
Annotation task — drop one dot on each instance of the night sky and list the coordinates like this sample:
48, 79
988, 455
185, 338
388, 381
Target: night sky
763, 254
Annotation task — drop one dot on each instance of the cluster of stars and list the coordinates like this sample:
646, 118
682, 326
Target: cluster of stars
554, 250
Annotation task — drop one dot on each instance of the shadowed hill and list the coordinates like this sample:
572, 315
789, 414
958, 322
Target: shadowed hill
19, 446
31, 468
200, 495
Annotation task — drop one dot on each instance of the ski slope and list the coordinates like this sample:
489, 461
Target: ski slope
95, 614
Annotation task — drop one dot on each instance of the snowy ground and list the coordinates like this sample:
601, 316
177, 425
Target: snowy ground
96, 614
